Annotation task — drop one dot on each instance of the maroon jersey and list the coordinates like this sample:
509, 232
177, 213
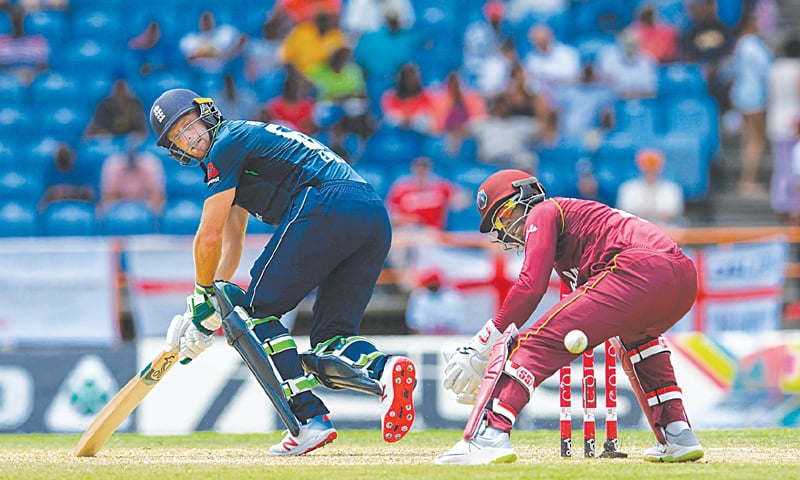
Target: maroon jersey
579, 238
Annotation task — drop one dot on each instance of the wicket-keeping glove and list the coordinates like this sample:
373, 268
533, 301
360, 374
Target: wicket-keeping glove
466, 366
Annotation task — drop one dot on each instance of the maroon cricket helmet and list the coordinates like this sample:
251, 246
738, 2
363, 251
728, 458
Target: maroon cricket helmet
494, 191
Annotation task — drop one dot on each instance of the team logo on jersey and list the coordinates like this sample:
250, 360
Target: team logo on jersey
482, 200
213, 173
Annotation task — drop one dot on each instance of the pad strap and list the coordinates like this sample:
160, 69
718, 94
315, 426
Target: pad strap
300, 384
664, 395
278, 344
648, 349
504, 410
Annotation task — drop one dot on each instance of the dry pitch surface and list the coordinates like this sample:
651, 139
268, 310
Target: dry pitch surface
360, 454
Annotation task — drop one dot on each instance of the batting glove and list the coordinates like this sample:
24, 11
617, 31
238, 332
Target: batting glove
204, 308
184, 337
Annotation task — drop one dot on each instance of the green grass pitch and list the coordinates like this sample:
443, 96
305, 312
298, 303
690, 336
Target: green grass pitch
360, 454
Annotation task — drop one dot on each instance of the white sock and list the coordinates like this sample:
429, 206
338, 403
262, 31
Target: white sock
675, 428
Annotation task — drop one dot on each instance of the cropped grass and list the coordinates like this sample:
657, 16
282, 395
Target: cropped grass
360, 454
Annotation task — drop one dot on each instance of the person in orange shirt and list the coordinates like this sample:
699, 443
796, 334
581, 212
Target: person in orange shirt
311, 42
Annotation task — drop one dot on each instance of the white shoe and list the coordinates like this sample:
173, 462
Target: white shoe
683, 447
398, 380
489, 445
319, 431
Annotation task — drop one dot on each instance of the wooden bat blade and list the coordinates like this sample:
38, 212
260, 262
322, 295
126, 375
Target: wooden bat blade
123, 403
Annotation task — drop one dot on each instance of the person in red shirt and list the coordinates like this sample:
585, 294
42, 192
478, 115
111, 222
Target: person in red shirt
628, 279
294, 107
422, 199
656, 38
409, 105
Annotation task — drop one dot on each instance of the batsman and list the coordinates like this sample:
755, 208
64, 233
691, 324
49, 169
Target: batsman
333, 234
629, 282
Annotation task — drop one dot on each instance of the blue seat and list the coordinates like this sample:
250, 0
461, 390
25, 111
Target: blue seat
127, 218
54, 25
54, 88
65, 122
17, 120
557, 170
183, 182
638, 116
392, 147
161, 81
470, 176
681, 79
697, 114
615, 162
69, 218
686, 162
12, 92
103, 24
463, 220
180, 217
18, 219
380, 177
269, 84
21, 185
92, 55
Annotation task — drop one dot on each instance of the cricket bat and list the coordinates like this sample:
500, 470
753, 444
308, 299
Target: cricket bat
123, 403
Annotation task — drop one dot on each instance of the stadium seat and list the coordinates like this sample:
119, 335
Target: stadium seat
638, 116
12, 92
615, 162
470, 176
681, 79
379, 176
180, 217
183, 182
557, 170
99, 23
394, 147
55, 88
464, 220
19, 185
52, 24
65, 122
697, 114
127, 218
686, 162
69, 218
18, 219
17, 120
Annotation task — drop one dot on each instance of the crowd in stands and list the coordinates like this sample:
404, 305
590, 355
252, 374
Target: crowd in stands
571, 91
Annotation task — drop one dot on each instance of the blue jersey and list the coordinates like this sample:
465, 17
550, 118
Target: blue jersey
268, 164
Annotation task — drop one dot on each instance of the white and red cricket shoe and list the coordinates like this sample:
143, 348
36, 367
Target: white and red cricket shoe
398, 380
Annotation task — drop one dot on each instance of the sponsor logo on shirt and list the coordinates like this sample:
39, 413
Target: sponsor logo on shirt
213, 173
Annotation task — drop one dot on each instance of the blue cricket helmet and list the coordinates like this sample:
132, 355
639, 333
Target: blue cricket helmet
172, 105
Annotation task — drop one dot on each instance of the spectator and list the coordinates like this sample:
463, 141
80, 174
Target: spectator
422, 200
456, 109
209, 49
150, 49
655, 37
505, 139
783, 117
341, 93
587, 185
488, 51
550, 62
121, 113
262, 55
311, 42
434, 308
707, 41
630, 71
133, 175
585, 110
650, 196
24, 56
66, 180
294, 107
235, 101
361, 16
382, 53
31, 5
751, 61
790, 203
523, 101
409, 105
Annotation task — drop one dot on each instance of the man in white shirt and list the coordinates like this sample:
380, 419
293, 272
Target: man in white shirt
650, 196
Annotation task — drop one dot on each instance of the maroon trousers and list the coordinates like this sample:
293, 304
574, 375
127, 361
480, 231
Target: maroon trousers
637, 297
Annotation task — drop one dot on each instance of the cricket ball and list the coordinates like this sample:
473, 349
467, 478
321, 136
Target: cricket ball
575, 341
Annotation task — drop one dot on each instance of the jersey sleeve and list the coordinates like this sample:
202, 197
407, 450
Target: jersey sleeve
225, 165
541, 236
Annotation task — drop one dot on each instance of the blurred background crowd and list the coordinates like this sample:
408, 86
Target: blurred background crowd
625, 101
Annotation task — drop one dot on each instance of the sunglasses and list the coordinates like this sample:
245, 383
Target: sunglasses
503, 213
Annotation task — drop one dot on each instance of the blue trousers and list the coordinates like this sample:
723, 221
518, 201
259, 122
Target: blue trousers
335, 238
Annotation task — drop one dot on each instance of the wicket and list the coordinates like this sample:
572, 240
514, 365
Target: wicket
589, 394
